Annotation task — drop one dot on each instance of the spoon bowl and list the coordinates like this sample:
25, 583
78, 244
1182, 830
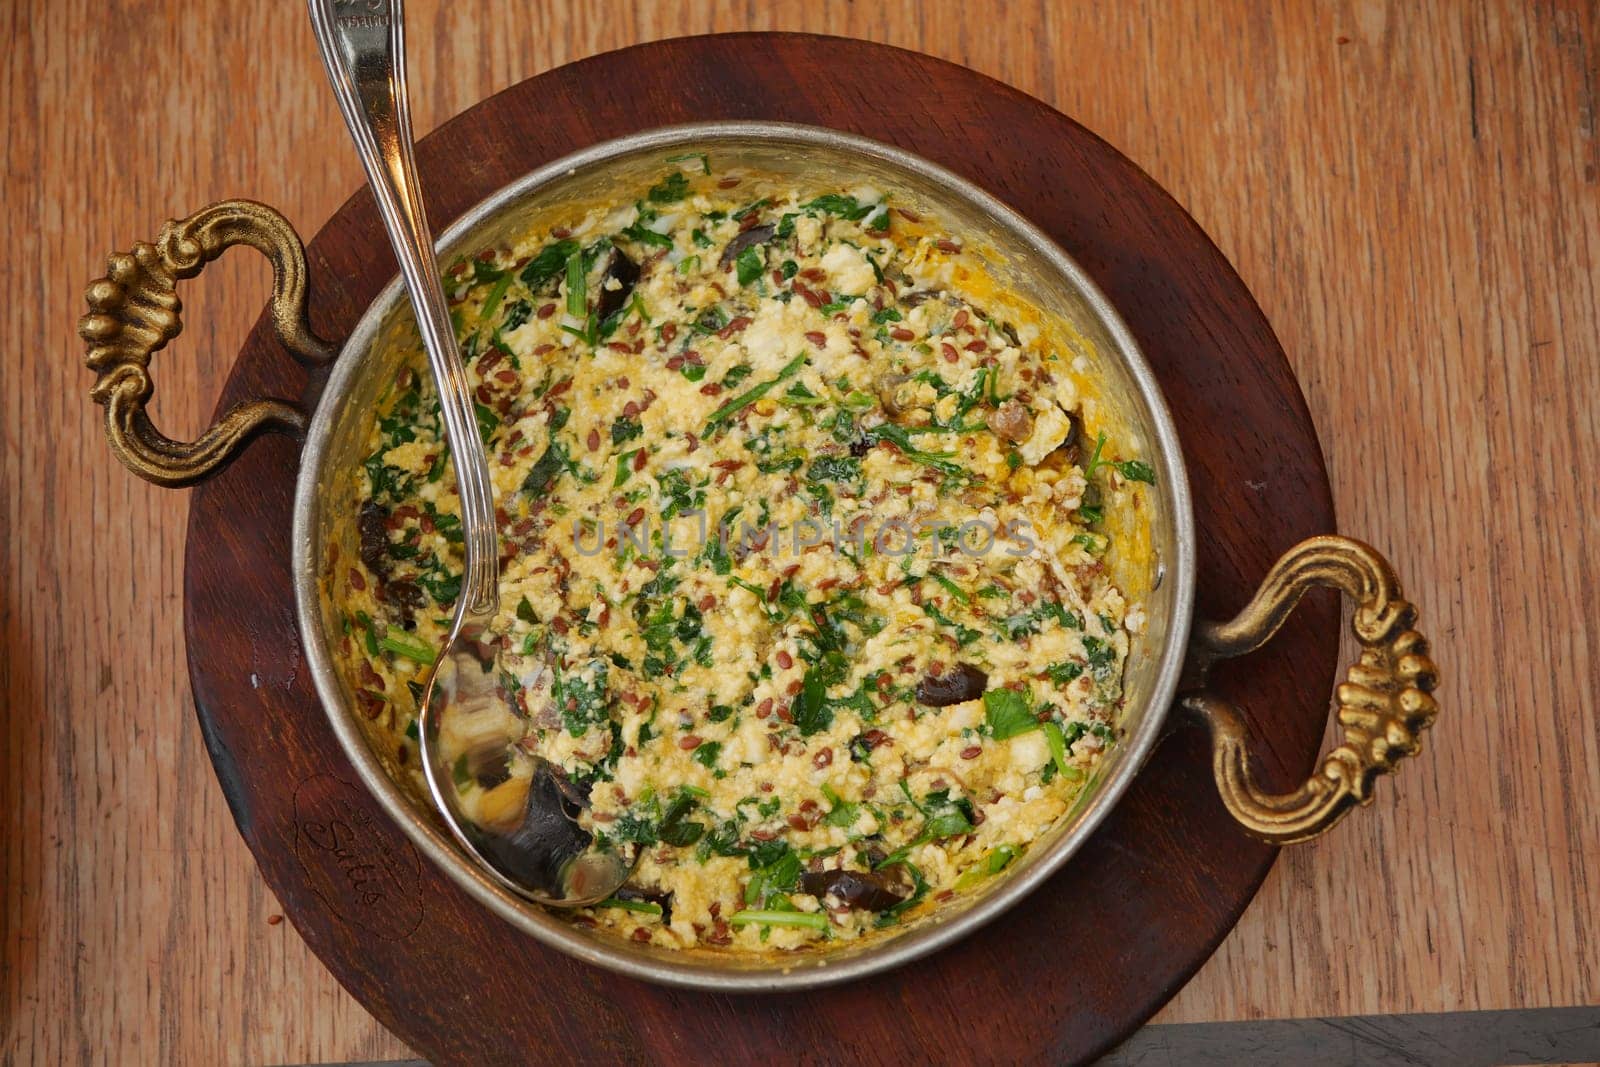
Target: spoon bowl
546, 855
543, 853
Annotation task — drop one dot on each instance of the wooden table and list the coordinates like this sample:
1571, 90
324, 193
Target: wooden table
1413, 194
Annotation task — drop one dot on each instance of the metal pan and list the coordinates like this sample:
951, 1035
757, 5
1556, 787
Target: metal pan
1382, 706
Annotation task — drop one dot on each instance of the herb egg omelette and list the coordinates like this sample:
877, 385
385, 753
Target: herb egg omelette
811, 538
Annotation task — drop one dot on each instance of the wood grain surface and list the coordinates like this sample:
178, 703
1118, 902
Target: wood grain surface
1410, 191
1139, 907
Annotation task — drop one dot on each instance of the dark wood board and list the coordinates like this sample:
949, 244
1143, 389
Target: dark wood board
1061, 977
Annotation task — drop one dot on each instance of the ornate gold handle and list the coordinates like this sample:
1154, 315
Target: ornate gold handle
135, 311
1383, 705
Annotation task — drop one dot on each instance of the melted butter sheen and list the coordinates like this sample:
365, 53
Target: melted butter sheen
897, 478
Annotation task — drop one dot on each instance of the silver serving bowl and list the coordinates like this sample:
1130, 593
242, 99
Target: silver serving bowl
1383, 706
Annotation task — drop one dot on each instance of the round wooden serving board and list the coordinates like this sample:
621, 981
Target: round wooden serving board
1065, 974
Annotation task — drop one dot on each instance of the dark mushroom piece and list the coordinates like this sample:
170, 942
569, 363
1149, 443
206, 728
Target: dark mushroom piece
1072, 444
861, 890
625, 272
1012, 421
921, 296
1074, 430
372, 523
403, 594
959, 684
755, 235
887, 387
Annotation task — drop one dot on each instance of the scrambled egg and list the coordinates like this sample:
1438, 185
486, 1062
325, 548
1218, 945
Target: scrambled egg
807, 585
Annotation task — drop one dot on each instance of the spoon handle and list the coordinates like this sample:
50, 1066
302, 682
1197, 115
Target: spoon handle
363, 47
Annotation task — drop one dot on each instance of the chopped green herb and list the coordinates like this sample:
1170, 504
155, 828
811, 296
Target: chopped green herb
484, 272
750, 396
1026, 623
1101, 654
964, 635
1132, 469
900, 437
944, 817
1063, 673
577, 285
402, 647
672, 188
1092, 543
625, 429
640, 231
835, 204
624, 468
710, 321
1059, 747
754, 590
811, 710
550, 261
810, 920
1136, 471
951, 587
798, 395
776, 869
1007, 714
749, 265
835, 469
583, 702
487, 420
542, 473
675, 828
841, 813
993, 862
491, 303
517, 313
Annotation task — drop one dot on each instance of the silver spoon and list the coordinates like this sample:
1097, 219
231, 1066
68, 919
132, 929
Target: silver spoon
548, 857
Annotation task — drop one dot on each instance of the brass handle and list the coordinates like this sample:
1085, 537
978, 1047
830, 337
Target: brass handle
1383, 705
135, 311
